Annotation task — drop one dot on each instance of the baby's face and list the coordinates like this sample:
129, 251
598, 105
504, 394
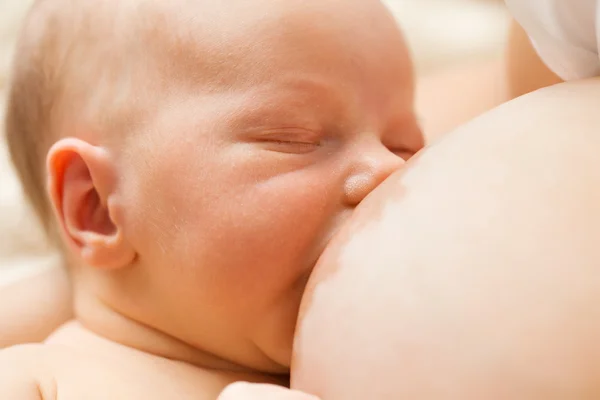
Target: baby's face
284, 115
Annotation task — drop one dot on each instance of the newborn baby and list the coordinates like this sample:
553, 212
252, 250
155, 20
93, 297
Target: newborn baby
197, 156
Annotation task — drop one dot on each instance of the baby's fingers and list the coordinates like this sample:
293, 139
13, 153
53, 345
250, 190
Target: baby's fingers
249, 391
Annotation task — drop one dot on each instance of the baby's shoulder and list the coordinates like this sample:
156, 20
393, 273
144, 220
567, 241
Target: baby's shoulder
24, 373
40, 371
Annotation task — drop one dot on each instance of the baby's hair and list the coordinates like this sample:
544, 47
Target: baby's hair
33, 93
72, 75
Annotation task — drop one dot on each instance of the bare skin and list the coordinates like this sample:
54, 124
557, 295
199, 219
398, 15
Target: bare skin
191, 237
450, 98
471, 273
494, 82
523, 63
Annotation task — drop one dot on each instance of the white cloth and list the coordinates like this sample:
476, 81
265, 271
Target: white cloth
565, 33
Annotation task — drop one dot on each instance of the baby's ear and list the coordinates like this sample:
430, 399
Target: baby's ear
81, 187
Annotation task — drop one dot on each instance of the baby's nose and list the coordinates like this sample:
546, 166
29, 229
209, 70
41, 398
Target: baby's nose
368, 173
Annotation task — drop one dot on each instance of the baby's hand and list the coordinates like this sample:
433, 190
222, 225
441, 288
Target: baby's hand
249, 391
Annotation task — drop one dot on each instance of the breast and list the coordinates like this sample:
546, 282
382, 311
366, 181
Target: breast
471, 274
352, 328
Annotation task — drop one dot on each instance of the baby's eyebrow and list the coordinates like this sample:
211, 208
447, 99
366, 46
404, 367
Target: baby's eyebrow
298, 98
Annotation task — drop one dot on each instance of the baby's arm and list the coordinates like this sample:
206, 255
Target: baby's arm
17, 380
30, 309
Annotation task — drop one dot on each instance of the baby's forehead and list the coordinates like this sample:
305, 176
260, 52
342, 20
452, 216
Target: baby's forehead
131, 50
224, 41
201, 37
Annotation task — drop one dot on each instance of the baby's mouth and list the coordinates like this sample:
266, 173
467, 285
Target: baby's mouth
312, 263
321, 247
325, 242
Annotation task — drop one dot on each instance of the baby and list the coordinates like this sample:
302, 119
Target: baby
198, 156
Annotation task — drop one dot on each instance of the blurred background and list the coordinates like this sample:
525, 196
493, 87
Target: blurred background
444, 35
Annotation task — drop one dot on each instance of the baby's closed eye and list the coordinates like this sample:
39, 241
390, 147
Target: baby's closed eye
289, 140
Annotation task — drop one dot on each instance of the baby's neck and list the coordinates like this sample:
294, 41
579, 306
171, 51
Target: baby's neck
99, 322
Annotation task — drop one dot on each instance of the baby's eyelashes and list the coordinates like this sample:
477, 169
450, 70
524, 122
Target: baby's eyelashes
289, 140
289, 146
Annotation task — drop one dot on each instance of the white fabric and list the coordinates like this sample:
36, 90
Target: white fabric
565, 34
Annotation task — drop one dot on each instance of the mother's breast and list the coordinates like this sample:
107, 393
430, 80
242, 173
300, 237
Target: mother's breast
474, 273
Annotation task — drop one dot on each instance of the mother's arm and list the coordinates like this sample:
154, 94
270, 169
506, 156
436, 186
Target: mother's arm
31, 308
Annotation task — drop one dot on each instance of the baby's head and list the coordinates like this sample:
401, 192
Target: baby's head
198, 155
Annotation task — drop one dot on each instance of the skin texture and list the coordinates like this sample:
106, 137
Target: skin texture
471, 273
32, 301
492, 83
191, 232
312, 109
